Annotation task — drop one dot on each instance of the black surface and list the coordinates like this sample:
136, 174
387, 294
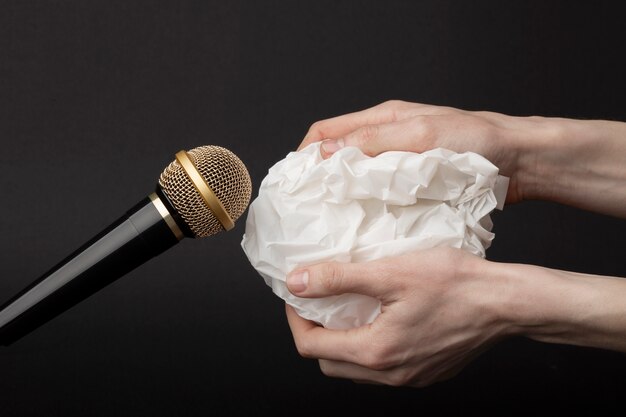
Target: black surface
97, 96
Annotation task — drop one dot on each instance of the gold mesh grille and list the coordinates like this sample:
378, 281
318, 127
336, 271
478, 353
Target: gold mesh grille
224, 173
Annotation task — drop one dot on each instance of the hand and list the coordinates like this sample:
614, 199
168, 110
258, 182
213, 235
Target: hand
442, 307
436, 317
399, 125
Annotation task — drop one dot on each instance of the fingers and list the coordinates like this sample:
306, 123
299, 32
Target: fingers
416, 134
336, 127
350, 354
357, 373
337, 369
313, 341
333, 278
413, 375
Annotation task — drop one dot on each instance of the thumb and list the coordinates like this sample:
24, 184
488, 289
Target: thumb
334, 278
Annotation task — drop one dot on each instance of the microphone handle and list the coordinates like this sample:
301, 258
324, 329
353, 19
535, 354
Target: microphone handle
143, 232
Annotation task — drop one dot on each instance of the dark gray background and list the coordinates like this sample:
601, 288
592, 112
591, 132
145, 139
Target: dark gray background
97, 96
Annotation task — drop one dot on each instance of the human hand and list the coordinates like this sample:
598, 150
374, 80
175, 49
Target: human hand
442, 307
437, 315
398, 125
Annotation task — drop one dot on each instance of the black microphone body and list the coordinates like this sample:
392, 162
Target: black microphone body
141, 234
201, 193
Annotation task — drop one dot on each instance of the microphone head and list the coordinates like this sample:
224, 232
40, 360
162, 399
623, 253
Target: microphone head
224, 174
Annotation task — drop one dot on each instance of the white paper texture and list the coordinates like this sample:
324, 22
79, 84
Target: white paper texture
356, 208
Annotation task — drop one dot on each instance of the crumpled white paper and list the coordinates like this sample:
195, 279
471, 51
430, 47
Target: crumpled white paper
356, 208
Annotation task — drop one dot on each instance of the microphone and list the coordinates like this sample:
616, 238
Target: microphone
202, 192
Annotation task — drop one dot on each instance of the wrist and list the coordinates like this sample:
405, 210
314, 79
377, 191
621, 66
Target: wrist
521, 300
489, 288
560, 307
520, 297
581, 163
524, 298
542, 152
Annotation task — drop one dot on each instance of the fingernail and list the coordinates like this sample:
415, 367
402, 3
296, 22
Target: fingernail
297, 282
331, 146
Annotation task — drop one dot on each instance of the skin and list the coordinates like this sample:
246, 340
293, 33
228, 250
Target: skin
442, 307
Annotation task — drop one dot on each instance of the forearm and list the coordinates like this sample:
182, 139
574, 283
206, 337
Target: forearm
561, 307
576, 162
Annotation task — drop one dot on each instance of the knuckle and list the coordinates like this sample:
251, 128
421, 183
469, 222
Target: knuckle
303, 349
424, 124
331, 276
394, 109
393, 103
378, 359
367, 134
425, 129
370, 360
400, 377
479, 124
327, 369
316, 125
392, 274
317, 128
370, 132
